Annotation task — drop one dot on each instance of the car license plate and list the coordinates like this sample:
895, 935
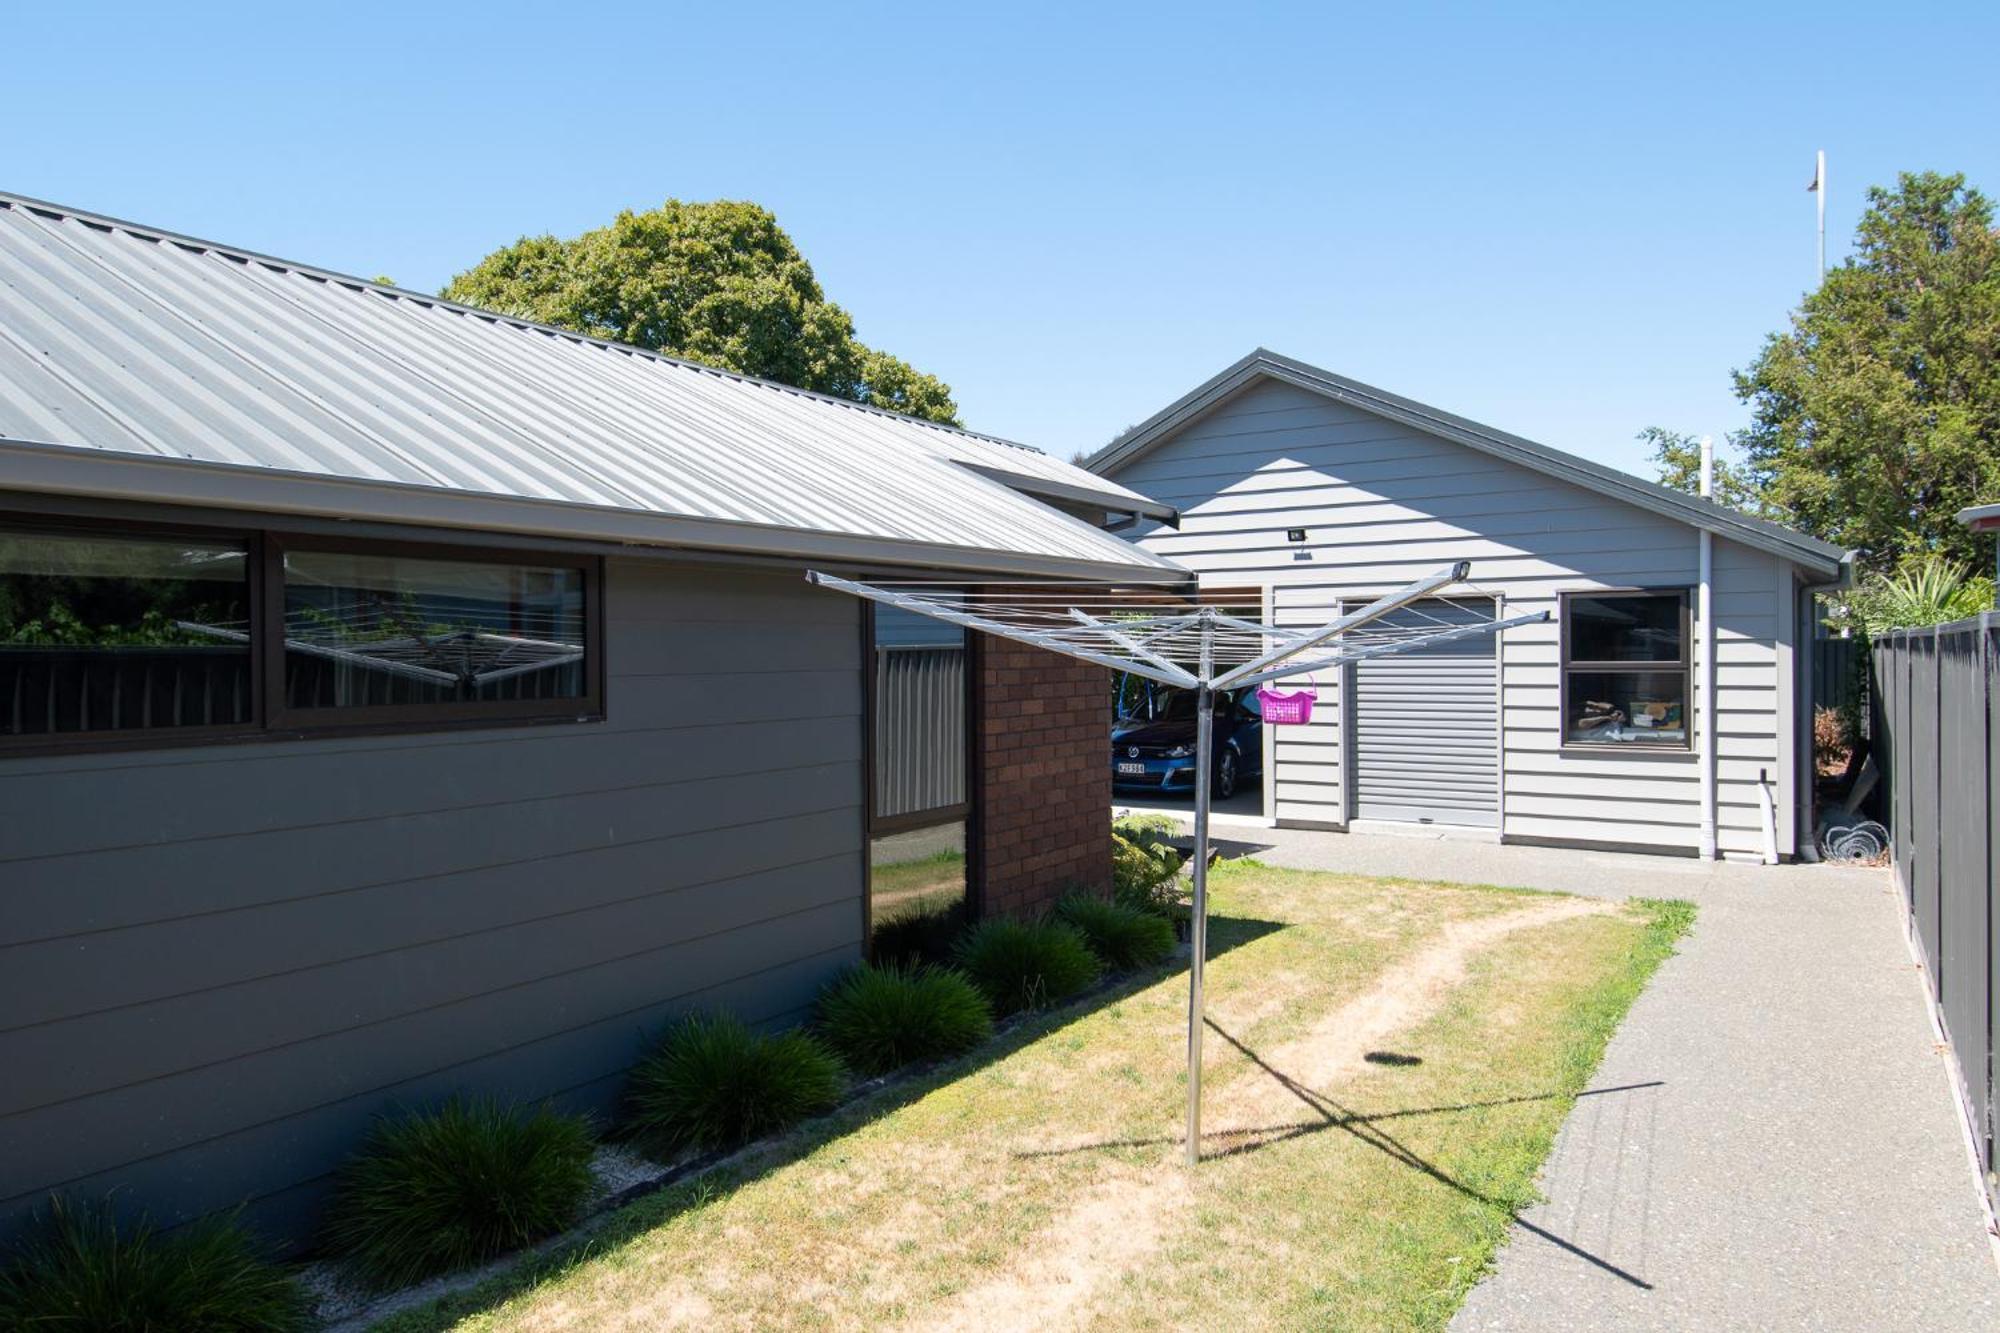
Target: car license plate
1136, 768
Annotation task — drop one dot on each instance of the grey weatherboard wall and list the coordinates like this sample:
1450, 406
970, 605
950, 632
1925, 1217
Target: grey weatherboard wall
218, 963
1383, 503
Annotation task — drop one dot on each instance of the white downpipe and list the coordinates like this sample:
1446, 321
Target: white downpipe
1769, 809
1705, 607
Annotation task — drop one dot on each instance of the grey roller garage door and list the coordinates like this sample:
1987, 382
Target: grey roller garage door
1426, 746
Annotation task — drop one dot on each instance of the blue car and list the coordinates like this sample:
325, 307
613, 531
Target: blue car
1155, 752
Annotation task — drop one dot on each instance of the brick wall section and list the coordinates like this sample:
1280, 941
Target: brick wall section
1041, 765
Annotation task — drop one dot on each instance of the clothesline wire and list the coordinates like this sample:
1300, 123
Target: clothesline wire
1156, 633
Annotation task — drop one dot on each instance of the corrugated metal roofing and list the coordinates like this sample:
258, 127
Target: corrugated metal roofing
131, 341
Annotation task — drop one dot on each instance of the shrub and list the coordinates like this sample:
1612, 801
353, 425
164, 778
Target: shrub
1833, 743
1153, 833
923, 936
431, 1191
1140, 879
882, 1018
1145, 866
1025, 965
1122, 937
77, 1272
711, 1082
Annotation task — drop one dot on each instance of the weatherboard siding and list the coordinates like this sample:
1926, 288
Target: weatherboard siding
1384, 504
217, 963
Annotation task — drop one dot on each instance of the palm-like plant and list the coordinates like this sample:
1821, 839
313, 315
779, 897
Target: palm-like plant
1925, 590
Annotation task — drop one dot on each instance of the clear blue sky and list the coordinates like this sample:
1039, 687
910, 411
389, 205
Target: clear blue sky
1565, 224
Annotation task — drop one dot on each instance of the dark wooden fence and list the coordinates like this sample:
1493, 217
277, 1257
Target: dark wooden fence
1835, 664
1938, 738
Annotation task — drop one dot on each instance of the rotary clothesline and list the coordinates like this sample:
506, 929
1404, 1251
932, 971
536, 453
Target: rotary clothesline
1150, 633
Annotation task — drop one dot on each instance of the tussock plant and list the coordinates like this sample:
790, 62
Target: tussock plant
1026, 965
432, 1191
77, 1271
1122, 937
882, 1018
711, 1082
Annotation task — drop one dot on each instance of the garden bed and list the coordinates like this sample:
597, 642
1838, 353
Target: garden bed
1387, 1066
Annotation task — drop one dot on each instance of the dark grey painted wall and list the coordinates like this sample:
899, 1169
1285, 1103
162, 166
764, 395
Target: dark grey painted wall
217, 964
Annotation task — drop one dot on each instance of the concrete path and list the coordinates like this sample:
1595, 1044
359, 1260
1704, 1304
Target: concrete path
1788, 1155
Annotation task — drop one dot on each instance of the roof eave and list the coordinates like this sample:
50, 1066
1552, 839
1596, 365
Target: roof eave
1980, 518
57, 469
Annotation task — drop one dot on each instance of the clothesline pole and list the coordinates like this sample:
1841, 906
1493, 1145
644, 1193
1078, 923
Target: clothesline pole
1204, 750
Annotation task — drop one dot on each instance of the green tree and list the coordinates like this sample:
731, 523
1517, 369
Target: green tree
1876, 415
719, 283
1677, 458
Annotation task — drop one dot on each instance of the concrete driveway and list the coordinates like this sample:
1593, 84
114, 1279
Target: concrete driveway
1773, 1144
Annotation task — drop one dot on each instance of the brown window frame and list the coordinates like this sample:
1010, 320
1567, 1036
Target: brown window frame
1684, 666
269, 718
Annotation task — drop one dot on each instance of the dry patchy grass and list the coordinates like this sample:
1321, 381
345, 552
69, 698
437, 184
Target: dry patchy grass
1386, 1071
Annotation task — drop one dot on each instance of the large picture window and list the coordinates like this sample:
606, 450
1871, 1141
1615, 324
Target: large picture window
117, 636
1625, 677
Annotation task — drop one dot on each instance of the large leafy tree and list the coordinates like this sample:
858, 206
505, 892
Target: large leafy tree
719, 283
1876, 415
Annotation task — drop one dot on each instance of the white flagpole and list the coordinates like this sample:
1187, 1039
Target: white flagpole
1819, 188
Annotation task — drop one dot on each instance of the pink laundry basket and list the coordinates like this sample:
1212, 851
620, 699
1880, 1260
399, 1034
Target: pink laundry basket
1286, 708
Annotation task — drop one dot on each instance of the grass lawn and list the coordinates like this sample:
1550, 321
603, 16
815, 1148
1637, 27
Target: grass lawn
1386, 1070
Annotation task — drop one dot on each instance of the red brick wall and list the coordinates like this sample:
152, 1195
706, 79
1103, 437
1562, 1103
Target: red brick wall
1041, 770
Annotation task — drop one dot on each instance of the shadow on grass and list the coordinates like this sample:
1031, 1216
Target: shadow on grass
706, 1180
1330, 1114
1394, 1059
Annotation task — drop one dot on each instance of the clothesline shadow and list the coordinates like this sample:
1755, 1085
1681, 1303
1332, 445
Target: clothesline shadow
1366, 1127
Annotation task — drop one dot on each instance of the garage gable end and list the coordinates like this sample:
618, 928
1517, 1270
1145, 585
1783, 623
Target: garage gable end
1263, 367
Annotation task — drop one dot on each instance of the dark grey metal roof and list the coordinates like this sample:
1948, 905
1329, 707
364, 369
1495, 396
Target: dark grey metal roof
146, 365
1809, 552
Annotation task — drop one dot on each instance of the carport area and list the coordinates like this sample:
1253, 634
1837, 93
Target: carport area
1770, 1141
1246, 807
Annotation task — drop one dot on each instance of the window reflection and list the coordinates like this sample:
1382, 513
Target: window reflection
111, 634
364, 629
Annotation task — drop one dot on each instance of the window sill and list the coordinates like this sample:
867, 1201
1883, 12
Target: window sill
1620, 750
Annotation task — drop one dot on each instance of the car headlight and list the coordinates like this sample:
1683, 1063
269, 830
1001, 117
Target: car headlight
1180, 752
